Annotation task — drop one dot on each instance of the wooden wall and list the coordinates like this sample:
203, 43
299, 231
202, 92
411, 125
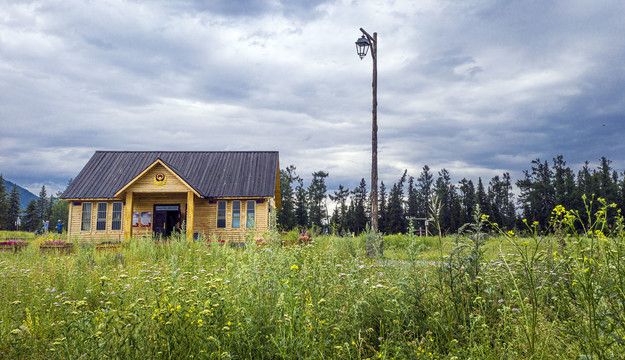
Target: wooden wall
146, 194
75, 220
205, 217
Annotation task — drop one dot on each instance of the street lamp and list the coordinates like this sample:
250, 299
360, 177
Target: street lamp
362, 45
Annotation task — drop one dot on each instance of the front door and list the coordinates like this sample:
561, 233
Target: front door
166, 219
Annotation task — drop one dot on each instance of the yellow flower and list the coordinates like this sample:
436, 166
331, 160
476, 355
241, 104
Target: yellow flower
294, 267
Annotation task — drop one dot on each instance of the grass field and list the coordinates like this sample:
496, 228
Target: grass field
504, 297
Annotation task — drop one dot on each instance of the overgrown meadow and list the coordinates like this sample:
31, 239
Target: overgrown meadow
483, 294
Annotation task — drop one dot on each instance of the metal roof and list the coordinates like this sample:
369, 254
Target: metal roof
212, 174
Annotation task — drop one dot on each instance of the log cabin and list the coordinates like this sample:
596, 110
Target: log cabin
218, 195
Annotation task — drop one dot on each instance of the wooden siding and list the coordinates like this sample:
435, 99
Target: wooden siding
206, 220
146, 184
75, 219
146, 193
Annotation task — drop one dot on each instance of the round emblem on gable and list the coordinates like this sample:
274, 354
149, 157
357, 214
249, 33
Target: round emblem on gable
160, 179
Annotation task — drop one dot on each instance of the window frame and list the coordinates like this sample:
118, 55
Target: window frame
221, 217
100, 222
236, 219
116, 223
250, 220
85, 217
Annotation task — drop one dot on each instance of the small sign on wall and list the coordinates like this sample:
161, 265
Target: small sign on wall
146, 219
135, 219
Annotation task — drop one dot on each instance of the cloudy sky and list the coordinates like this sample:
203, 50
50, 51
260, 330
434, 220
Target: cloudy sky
478, 87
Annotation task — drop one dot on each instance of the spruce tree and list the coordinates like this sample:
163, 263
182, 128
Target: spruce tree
301, 205
317, 211
424, 191
382, 211
286, 216
360, 218
13, 211
31, 221
339, 216
3, 204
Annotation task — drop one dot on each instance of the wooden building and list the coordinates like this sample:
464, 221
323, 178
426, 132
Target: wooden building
222, 195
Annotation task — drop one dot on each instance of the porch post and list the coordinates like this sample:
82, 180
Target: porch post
190, 214
128, 216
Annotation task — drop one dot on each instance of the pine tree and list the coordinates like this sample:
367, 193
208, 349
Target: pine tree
566, 193
467, 200
13, 211
301, 204
3, 204
339, 216
395, 209
31, 221
445, 192
608, 189
286, 216
382, 210
360, 218
43, 205
481, 198
317, 211
424, 191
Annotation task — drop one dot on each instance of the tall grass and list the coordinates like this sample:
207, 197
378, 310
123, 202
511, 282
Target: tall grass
539, 297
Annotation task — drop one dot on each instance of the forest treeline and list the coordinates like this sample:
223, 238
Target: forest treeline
540, 189
43, 208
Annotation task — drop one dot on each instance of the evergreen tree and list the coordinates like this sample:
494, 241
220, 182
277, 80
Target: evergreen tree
481, 198
3, 204
412, 203
13, 209
59, 210
467, 200
339, 216
301, 204
501, 201
607, 187
360, 218
286, 216
586, 182
564, 185
446, 194
424, 191
382, 213
621, 191
537, 196
43, 205
31, 221
396, 219
317, 212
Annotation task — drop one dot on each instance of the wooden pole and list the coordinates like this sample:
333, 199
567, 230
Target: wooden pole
128, 216
190, 214
373, 41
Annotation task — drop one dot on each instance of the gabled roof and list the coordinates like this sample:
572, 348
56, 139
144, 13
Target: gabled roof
212, 174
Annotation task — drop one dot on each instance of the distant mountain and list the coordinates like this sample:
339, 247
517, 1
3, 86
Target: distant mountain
25, 195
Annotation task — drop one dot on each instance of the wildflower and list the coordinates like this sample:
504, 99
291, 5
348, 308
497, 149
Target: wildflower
294, 267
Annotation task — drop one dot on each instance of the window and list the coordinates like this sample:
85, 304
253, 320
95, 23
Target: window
250, 208
236, 214
100, 224
116, 222
85, 224
221, 214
